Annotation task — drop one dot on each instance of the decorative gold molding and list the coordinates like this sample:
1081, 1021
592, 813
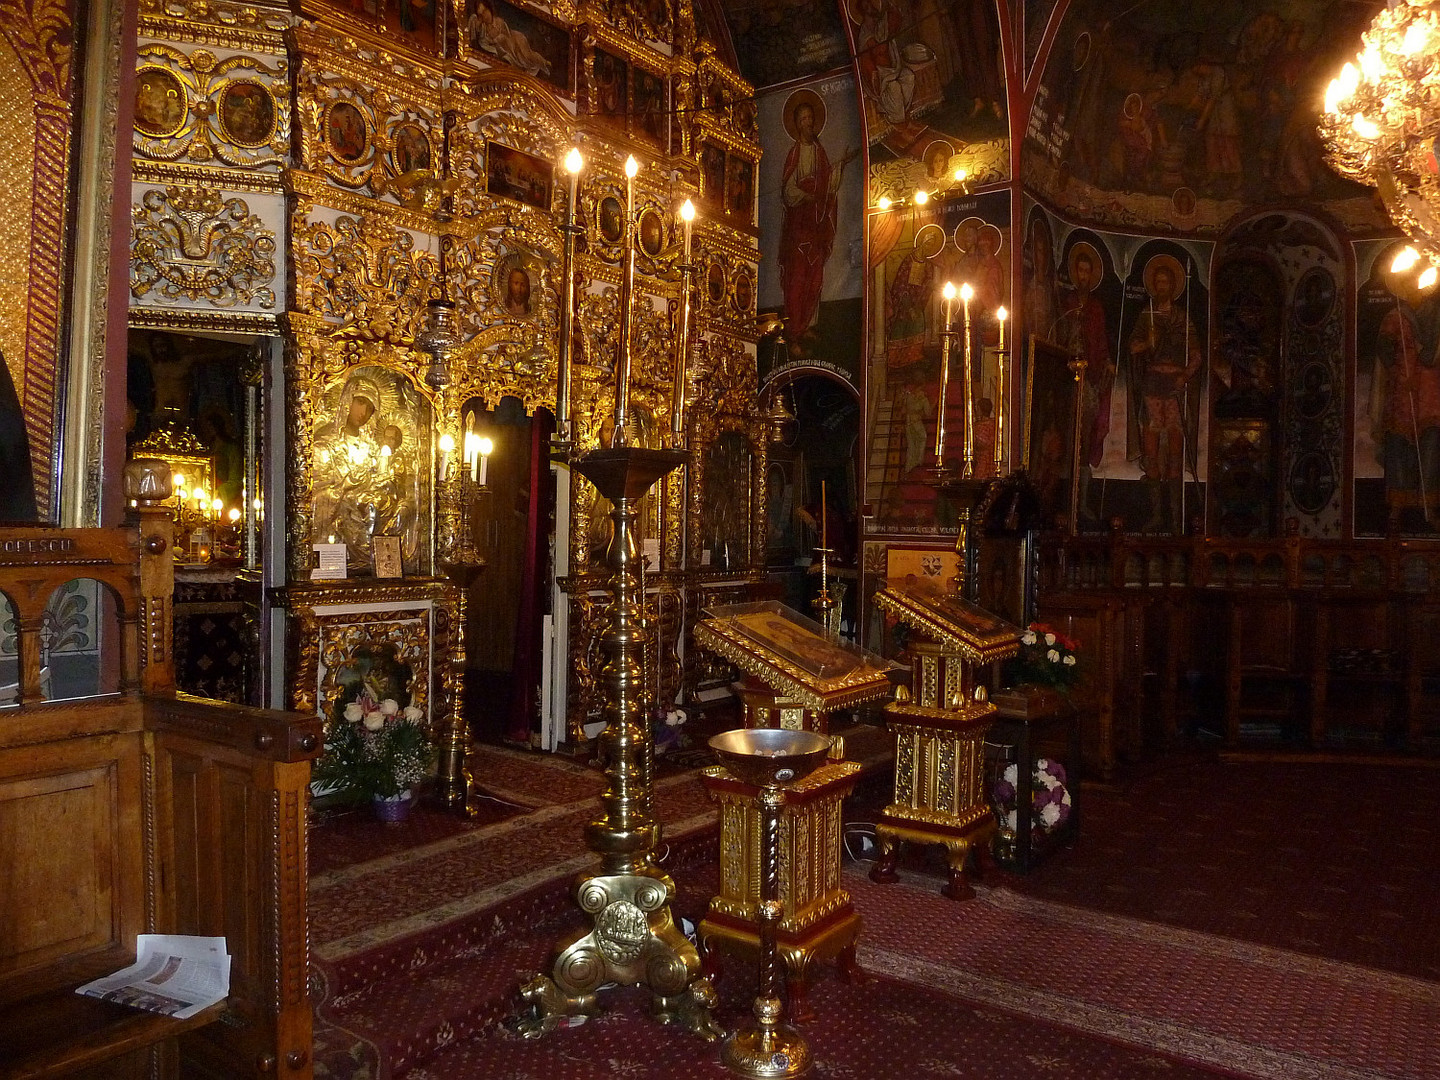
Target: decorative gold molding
248, 27
192, 319
193, 243
170, 172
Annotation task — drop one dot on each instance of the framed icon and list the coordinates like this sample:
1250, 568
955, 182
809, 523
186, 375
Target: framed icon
387, 557
612, 219
514, 174
247, 113
160, 105
409, 149
652, 233
345, 132
715, 283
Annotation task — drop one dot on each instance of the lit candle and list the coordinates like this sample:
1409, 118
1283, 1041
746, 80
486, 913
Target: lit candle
484, 447
1002, 315
447, 447
627, 287
682, 337
966, 292
823, 545
574, 163
472, 455
949, 293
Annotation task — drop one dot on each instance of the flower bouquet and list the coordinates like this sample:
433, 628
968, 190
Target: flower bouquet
375, 750
1050, 801
1046, 658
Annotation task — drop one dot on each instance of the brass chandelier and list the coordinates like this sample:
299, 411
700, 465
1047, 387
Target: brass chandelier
1381, 125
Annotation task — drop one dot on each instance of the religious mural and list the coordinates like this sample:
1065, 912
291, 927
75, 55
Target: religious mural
1135, 309
1181, 116
416, 21
780, 41
811, 213
1397, 398
931, 74
372, 466
495, 30
914, 251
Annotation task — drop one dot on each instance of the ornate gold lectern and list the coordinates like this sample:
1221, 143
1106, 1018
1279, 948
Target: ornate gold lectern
798, 674
940, 729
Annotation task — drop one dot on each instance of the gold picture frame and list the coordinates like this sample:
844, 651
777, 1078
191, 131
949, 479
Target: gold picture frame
387, 557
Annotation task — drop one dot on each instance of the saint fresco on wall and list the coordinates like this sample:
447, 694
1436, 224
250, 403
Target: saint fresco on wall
914, 254
929, 73
1190, 113
1397, 398
811, 214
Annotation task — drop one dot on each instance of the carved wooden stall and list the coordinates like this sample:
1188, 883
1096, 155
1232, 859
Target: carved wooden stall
143, 811
1300, 641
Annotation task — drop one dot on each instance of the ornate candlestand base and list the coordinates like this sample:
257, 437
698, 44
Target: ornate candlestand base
633, 939
964, 494
770, 759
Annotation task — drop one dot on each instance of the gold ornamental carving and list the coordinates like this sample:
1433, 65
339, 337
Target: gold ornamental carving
40, 32
361, 275
246, 26
190, 243
199, 107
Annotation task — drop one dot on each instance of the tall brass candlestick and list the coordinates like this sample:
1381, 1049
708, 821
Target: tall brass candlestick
682, 339
561, 440
949, 293
627, 290
965, 294
1002, 315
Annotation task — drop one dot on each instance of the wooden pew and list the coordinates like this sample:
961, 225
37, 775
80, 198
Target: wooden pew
142, 811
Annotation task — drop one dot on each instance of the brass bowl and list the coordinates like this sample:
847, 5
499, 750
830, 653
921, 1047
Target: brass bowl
770, 757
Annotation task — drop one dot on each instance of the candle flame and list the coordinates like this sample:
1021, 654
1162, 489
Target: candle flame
447, 443
948, 291
687, 211
922, 197
966, 292
1002, 314
485, 445
1427, 279
573, 161
632, 167
884, 202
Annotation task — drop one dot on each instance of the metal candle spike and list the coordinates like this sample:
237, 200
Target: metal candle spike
562, 441
627, 289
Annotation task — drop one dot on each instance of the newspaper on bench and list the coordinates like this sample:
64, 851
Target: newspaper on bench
174, 975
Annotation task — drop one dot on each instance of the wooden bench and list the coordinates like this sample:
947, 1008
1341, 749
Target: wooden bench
143, 811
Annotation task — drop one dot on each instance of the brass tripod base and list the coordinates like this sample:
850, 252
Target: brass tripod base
767, 1052
634, 940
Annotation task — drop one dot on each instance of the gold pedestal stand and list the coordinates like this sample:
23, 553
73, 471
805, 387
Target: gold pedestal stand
939, 730
769, 759
633, 939
817, 921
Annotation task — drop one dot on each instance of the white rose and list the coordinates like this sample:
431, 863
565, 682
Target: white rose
388, 707
1050, 815
1010, 820
413, 713
374, 721
1028, 638
354, 713
1069, 660
1011, 773
1053, 656
1049, 639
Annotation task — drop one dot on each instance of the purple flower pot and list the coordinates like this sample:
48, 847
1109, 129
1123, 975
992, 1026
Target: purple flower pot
393, 810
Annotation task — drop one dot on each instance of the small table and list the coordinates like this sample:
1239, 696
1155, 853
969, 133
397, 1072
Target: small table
1023, 717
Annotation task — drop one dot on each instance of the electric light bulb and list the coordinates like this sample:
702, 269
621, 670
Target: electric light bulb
948, 291
486, 446
922, 197
574, 162
179, 480
632, 167
966, 292
217, 505
960, 175
447, 443
884, 202
234, 514
687, 211
1404, 261
1001, 314
1427, 279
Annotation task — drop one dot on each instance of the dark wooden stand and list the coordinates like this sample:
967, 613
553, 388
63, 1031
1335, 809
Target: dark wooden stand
1024, 718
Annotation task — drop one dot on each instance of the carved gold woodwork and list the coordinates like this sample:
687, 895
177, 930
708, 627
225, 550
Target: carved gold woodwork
192, 243
226, 23
199, 107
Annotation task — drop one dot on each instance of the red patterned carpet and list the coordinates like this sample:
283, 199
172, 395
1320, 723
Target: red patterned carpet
1067, 972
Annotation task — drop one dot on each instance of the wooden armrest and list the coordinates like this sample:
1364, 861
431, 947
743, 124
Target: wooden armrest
56, 1033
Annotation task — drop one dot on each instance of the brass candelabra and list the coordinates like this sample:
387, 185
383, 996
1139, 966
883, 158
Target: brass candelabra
456, 493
